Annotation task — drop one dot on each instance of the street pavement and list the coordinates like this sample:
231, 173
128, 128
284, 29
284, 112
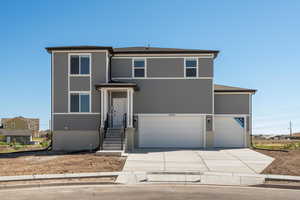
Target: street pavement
147, 192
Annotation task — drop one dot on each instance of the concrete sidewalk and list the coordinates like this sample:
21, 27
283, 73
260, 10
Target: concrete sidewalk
215, 160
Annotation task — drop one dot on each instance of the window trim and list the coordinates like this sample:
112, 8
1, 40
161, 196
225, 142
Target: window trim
90, 64
133, 67
80, 93
197, 67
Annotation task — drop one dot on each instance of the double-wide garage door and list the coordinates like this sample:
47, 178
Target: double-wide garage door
229, 131
171, 131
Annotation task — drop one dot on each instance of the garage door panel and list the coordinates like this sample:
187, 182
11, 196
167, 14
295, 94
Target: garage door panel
228, 132
170, 131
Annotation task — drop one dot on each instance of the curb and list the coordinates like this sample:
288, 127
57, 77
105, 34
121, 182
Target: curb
58, 176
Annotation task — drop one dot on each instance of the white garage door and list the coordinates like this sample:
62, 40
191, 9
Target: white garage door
229, 131
171, 131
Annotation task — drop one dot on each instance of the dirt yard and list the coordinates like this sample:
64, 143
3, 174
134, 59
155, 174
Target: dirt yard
285, 163
50, 163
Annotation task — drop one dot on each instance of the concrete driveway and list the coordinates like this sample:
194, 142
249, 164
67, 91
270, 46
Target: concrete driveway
217, 160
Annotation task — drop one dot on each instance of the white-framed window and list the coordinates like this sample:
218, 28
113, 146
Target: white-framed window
80, 102
191, 67
139, 67
80, 64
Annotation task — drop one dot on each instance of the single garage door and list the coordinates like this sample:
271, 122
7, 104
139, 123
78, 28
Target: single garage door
171, 131
229, 131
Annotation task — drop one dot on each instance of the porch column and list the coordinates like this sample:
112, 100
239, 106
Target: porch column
103, 106
129, 108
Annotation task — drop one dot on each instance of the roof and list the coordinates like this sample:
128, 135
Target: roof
224, 88
134, 50
85, 47
146, 50
7, 132
116, 84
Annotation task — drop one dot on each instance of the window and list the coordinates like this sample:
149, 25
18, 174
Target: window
191, 65
80, 64
79, 102
139, 66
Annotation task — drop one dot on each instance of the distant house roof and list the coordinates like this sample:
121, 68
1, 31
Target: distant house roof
134, 50
224, 88
7, 132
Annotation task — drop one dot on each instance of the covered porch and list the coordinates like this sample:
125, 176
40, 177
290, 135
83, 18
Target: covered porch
116, 121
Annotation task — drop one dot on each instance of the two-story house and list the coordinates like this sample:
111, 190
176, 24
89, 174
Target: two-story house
144, 97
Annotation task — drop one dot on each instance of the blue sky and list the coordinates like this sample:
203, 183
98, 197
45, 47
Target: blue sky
259, 44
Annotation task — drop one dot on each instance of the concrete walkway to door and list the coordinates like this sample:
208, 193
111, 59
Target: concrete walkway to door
216, 160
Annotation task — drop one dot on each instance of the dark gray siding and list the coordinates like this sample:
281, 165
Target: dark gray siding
76, 122
165, 67
79, 83
98, 76
121, 67
161, 67
172, 96
60, 82
231, 104
206, 68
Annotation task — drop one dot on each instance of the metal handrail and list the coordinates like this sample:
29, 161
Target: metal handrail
124, 130
105, 128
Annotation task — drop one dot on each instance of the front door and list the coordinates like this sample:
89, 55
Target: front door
119, 109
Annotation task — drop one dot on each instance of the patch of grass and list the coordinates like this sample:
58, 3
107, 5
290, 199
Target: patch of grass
3, 143
278, 145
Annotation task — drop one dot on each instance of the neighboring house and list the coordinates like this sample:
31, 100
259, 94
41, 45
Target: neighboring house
166, 97
17, 136
21, 123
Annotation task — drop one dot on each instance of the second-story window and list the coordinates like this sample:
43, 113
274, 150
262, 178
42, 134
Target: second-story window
190, 66
80, 65
139, 68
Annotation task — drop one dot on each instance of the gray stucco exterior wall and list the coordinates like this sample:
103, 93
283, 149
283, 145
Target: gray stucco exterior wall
206, 68
160, 67
60, 92
60, 82
165, 67
76, 122
173, 96
232, 104
79, 83
98, 76
121, 67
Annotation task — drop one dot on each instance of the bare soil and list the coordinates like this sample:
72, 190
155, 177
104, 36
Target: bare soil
285, 163
53, 163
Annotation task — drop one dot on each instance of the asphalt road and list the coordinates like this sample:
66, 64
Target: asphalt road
161, 192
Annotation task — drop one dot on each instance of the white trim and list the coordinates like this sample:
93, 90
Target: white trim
107, 64
77, 113
233, 93
77, 51
121, 88
171, 114
213, 106
204, 131
231, 115
128, 108
120, 56
207, 78
133, 67
52, 91
245, 131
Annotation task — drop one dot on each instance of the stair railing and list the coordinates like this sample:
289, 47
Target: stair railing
123, 130
105, 128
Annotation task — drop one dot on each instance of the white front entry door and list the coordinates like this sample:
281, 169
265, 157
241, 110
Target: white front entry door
229, 131
171, 131
119, 109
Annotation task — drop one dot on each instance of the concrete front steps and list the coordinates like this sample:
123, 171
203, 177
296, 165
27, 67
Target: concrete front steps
112, 145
